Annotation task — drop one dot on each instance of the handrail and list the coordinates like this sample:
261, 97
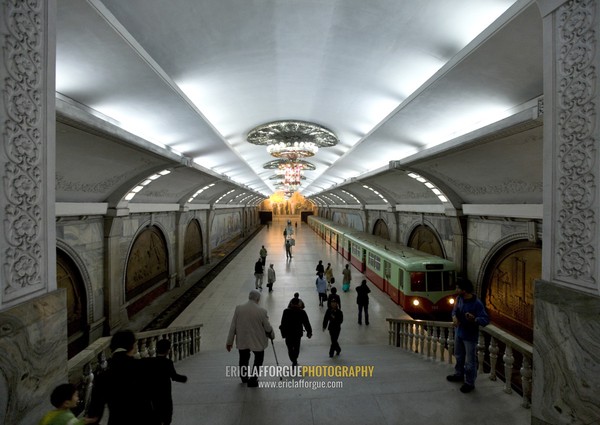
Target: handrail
84, 366
432, 337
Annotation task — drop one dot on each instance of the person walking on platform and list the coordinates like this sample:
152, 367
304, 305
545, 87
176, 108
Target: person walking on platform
251, 330
288, 248
125, 387
293, 323
258, 274
333, 321
271, 277
467, 315
362, 299
329, 276
346, 278
297, 297
163, 372
263, 256
321, 285
320, 268
334, 297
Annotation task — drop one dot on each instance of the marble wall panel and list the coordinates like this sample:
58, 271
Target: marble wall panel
33, 343
566, 356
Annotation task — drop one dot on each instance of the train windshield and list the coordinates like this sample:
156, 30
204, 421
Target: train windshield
417, 282
432, 281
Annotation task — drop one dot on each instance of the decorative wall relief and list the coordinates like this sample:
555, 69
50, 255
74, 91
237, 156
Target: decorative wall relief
348, 219
224, 228
577, 136
23, 153
147, 264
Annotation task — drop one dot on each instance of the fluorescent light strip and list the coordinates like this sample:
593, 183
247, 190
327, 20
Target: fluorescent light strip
130, 195
200, 191
429, 185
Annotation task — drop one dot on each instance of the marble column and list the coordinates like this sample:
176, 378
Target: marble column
567, 300
33, 339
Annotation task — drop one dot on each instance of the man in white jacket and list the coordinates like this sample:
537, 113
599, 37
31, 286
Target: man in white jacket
251, 329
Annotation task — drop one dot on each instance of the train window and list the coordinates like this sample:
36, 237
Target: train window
401, 279
417, 281
449, 284
434, 281
374, 261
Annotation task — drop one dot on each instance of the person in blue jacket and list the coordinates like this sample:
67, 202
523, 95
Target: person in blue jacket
467, 315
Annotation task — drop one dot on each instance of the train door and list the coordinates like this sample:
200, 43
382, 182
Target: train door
363, 260
349, 250
386, 276
400, 293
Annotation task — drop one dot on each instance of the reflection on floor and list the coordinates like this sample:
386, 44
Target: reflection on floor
403, 388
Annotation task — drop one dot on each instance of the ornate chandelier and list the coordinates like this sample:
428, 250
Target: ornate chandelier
292, 140
292, 150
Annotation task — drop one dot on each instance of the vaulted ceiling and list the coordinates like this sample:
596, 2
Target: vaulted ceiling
446, 90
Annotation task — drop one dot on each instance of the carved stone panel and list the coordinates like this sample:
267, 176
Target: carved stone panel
576, 162
23, 152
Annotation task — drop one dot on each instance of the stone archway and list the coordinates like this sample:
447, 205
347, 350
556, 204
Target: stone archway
69, 278
147, 271
424, 239
508, 284
193, 249
381, 229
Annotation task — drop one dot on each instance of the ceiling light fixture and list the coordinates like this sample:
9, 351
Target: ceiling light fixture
292, 140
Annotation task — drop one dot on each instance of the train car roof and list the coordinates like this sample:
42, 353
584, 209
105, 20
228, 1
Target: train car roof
393, 251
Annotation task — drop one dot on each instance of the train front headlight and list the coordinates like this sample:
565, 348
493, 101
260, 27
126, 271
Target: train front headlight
451, 301
416, 302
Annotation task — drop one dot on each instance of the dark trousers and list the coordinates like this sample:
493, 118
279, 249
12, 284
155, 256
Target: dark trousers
360, 310
259, 356
293, 346
335, 347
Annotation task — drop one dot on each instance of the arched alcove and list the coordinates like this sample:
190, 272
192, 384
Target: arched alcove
147, 270
68, 277
193, 249
381, 229
425, 239
508, 284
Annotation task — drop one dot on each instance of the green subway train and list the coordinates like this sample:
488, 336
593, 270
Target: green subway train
421, 283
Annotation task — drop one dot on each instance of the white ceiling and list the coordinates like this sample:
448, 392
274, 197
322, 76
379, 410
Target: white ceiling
390, 77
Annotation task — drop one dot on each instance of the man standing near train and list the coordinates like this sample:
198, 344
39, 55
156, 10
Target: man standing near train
467, 315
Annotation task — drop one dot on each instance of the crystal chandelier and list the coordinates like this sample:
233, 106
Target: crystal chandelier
293, 150
292, 140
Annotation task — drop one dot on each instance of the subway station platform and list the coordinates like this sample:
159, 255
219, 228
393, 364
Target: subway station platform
403, 389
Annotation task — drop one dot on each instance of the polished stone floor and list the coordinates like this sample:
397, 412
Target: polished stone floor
403, 389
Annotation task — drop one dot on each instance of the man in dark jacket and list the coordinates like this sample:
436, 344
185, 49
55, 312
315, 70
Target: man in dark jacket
258, 274
362, 299
467, 315
293, 323
163, 371
333, 321
125, 386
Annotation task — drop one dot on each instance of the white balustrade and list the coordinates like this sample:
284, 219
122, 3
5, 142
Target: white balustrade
91, 361
427, 338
